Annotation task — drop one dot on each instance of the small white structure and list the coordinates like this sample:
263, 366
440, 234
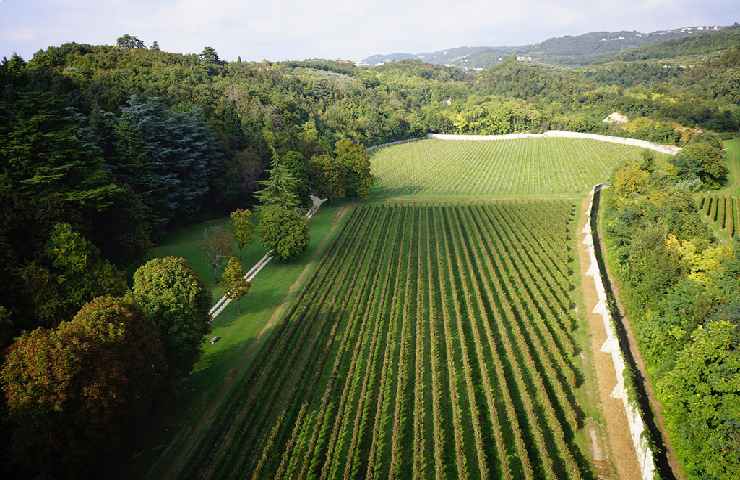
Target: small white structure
616, 118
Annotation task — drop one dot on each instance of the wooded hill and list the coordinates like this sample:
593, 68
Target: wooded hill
568, 50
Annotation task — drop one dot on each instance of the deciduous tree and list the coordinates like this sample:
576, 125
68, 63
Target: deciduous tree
356, 164
218, 245
241, 223
702, 402
177, 302
284, 230
233, 281
704, 161
73, 391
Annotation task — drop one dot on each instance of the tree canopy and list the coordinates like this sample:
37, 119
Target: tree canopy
283, 230
175, 300
78, 386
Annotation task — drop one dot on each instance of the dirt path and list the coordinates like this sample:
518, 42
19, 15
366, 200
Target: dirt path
620, 450
180, 449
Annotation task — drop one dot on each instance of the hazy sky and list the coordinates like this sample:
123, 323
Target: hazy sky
292, 29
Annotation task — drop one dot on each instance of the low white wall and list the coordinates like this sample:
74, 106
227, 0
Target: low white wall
668, 149
612, 347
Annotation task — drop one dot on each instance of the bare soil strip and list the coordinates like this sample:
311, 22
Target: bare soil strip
621, 452
666, 461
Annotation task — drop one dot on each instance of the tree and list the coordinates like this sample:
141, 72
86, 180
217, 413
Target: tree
283, 230
209, 56
241, 222
242, 176
328, 177
70, 273
233, 281
647, 160
218, 245
295, 163
155, 46
72, 392
356, 163
167, 157
701, 398
704, 161
279, 188
630, 179
129, 41
177, 302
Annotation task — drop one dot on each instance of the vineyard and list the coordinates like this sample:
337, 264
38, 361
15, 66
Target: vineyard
431, 341
723, 211
509, 168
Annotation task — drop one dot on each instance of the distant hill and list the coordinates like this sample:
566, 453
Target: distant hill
702, 44
568, 50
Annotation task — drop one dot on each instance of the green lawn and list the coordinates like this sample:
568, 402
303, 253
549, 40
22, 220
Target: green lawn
239, 327
733, 164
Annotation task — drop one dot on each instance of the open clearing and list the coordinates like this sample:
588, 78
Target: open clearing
506, 168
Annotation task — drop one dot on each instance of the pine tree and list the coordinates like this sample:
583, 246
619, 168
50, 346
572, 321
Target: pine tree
280, 187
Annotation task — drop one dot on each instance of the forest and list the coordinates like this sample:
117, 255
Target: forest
106, 149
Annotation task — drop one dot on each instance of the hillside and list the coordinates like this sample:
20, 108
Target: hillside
566, 50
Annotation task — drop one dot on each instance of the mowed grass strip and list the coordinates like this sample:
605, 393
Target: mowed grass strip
505, 168
430, 341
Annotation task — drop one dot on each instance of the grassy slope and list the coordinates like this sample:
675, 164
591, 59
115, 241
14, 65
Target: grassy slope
432, 170
733, 164
239, 325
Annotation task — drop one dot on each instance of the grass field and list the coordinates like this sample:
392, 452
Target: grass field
431, 341
510, 168
733, 165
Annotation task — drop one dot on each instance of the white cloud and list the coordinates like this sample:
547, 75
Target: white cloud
334, 28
